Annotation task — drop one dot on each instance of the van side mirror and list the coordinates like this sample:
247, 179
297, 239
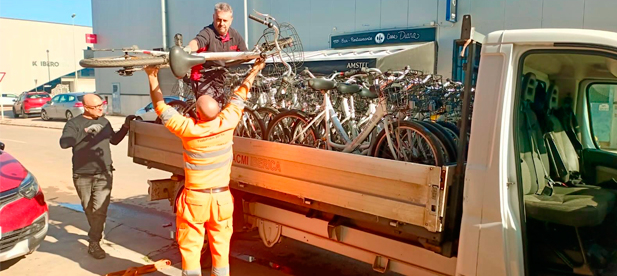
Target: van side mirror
1, 146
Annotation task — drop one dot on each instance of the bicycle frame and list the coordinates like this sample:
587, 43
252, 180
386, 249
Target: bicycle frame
350, 145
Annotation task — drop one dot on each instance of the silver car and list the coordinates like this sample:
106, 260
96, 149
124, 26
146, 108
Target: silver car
65, 106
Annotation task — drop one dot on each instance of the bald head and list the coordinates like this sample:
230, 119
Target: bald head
93, 106
91, 100
207, 107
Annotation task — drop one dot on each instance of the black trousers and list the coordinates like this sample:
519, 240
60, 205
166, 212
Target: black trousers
94, 190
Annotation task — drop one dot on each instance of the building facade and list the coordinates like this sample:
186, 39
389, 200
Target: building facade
121, 23
43, 56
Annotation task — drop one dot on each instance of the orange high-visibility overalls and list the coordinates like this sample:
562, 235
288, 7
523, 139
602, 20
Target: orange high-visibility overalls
206, 202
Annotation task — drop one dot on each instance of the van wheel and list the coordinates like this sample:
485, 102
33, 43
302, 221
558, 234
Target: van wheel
44, 115
69, 115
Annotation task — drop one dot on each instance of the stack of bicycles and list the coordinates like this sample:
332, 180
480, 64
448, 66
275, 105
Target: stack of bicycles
403, 115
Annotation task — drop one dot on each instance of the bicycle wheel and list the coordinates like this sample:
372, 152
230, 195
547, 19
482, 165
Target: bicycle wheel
122, 61
250, 125
284, 126
266, 114
452, 131
448, 144
450, 126
412, 142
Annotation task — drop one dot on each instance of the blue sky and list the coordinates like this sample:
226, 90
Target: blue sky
58, 11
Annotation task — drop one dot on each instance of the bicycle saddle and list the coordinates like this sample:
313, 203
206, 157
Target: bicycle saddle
321, 84
366, 93
181, 61
348, 88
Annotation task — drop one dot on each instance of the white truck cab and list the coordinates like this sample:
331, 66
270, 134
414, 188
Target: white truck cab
533, 127
535, 195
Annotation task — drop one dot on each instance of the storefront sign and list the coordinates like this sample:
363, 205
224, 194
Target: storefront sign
45, 63
383, 37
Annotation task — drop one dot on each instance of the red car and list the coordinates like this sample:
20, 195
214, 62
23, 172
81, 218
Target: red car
29, 103
24, 214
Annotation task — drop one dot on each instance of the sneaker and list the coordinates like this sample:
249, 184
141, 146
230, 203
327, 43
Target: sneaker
94, 249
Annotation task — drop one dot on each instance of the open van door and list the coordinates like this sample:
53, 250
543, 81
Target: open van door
563, 96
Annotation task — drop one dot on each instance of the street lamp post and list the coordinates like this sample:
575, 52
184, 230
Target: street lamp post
48, 73
74, 50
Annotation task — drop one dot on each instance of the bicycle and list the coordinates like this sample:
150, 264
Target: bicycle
180, 60
423, 147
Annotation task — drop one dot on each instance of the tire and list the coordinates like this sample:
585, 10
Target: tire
68, 114
44, 115
134, 61
450, 126
255, 131
286, 122
381, 144
267, 114
444, 138
15, 115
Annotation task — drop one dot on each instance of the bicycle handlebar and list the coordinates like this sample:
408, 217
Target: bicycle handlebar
262, 21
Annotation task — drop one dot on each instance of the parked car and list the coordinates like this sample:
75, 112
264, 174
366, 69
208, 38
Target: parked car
8, 99
66, 106
24, 214
29, 103
147, 112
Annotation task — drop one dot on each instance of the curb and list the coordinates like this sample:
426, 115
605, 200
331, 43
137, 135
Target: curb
11, 123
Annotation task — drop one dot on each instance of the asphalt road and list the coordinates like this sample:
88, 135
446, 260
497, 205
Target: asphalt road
137, 230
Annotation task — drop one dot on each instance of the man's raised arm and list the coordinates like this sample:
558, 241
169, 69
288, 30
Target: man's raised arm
170, 117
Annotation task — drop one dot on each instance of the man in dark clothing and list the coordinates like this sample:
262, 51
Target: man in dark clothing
217, 37
89, 135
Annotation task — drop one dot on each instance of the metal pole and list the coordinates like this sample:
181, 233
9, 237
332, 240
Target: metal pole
74, 50
164, 23
461, 162
48, 73
246, 24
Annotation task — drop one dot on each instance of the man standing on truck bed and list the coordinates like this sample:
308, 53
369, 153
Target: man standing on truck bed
89, 134
216, 37
205, 203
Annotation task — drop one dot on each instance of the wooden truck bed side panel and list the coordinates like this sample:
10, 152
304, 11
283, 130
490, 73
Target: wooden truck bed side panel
405, 192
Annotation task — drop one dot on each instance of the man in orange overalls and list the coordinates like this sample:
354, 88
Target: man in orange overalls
206, 202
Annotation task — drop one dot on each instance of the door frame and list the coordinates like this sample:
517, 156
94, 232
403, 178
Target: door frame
116, 107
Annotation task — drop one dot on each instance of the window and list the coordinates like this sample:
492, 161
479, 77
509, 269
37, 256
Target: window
602, 99
38, 96
56, 99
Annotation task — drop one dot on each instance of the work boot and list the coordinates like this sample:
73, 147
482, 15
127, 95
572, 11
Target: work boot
94, 249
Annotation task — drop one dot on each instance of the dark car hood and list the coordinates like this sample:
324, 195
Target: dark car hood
11, 172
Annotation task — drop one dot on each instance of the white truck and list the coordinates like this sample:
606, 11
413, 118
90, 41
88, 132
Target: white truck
534, 195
